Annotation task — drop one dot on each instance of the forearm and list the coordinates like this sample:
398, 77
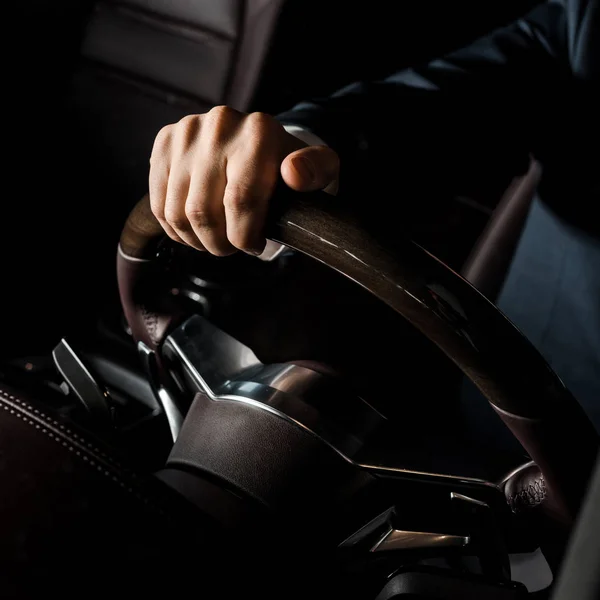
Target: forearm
479, 113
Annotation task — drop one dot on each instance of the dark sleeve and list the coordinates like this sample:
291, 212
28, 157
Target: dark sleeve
478, 113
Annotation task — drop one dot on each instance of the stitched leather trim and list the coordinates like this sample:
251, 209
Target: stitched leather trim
530, 496
151, 322
85, 450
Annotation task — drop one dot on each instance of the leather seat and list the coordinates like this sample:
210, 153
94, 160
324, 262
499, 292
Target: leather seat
76, 523
489, 260
148, 63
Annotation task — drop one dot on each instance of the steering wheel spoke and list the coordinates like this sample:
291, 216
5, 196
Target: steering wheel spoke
292, 439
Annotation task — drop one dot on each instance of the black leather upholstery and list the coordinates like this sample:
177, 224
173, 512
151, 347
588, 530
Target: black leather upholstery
148, 63
76, 522
187, 50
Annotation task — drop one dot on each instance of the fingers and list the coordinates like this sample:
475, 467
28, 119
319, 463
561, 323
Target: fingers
158, 180
212, 175
187, 179
311, 168
246, 201
204, 210
175, 209
207, 161
191, 205
251, 179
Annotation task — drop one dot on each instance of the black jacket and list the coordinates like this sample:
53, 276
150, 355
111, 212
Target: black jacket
478, 114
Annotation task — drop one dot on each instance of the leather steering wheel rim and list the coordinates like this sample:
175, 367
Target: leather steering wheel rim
516, 380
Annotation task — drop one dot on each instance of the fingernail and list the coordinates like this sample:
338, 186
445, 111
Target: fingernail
304, 167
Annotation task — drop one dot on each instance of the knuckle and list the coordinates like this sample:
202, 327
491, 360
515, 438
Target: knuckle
221, 112
188, 121
258, 125
219, 122
219, 117
179, 223
158, 210
176, 219
188, 129
240, 201
260, 120
164, 135
200, 218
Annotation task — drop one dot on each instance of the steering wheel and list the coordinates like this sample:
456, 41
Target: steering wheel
517, 382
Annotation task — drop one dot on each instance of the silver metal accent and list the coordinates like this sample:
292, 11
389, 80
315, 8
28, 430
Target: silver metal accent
202, 283
131, 258
227, 370
427, 476
374, 529
81, 381
380, 536
397, 539
455, 496
273, 251
515, 471
170, 407
487, 536
199, 299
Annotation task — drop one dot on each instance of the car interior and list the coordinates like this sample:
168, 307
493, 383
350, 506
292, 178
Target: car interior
290, 426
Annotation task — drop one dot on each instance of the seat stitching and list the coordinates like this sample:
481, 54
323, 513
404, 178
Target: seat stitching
62, 428
76, 447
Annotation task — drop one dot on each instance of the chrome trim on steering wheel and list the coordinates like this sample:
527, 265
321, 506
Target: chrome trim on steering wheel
226, 370
396, 539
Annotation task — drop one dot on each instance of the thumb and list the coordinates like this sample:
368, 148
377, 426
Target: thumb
311, 168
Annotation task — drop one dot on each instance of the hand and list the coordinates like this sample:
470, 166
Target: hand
212, 175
